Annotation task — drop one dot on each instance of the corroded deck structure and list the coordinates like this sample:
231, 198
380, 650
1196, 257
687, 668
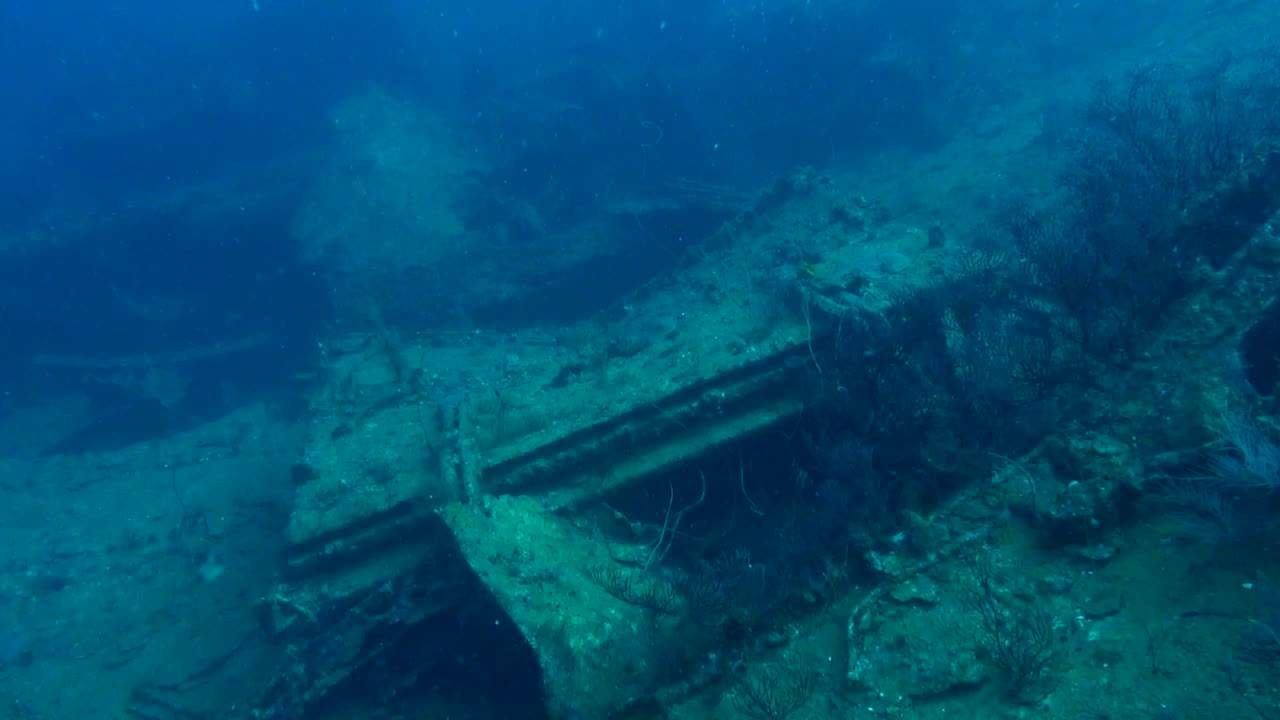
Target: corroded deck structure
481, 458
449, 473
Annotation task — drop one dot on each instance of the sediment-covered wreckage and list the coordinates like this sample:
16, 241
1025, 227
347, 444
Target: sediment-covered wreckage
630, 513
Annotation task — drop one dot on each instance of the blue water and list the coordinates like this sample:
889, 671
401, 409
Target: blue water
200, 201
111, 103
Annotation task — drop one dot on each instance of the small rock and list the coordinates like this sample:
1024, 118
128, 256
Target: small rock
1098, 552
889, 565
1055, 585
1102, 605
919, 590
926, 535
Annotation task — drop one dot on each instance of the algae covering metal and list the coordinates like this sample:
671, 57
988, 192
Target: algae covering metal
451, 475
505, 444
